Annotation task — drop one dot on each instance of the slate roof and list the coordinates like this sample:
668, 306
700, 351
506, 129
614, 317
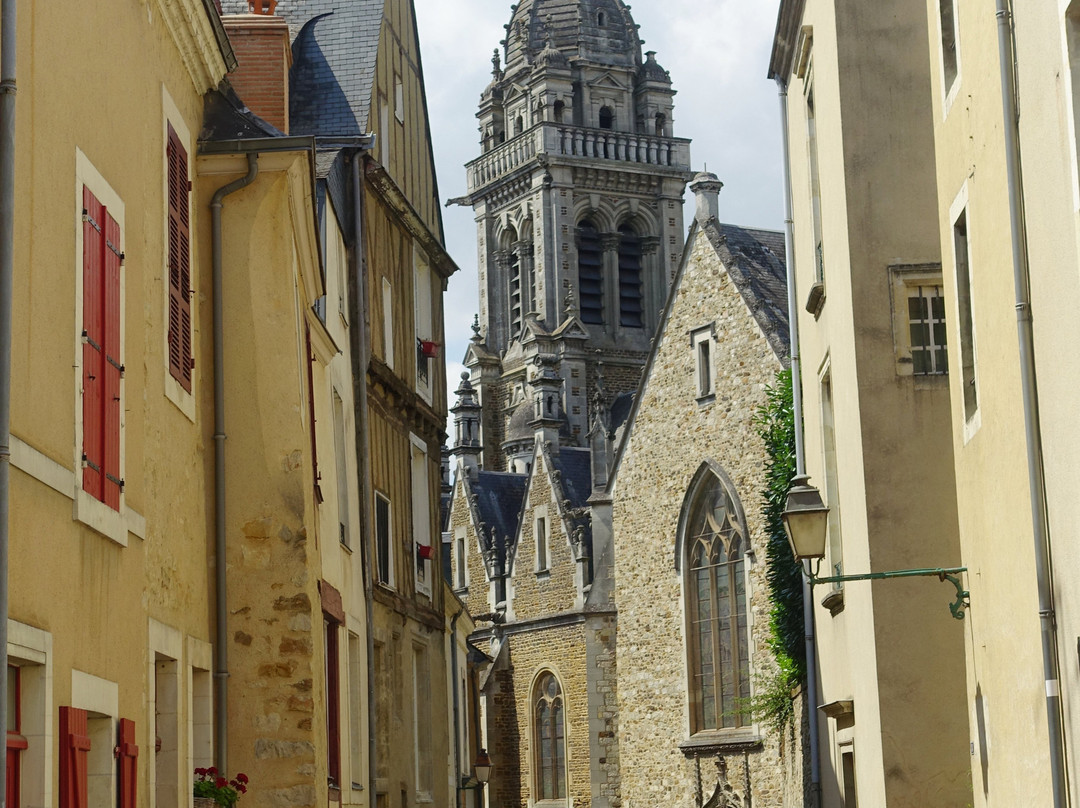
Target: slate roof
575, 467
334, 47
755, 260
226, 117
499, 497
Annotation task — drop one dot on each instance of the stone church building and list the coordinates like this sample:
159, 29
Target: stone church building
578, 202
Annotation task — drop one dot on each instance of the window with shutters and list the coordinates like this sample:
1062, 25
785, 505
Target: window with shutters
74, 752
423, 736
181, 358
590, 274
421, 516
332, 682
98, 358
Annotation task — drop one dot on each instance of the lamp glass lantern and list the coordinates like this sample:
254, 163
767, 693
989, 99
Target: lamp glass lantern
806, 519
482, 767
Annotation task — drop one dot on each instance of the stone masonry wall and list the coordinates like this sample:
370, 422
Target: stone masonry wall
603, 710
672, 436
477, 597
542, 594
562, 651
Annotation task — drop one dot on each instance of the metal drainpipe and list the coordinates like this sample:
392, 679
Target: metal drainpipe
800, 451
7, 271
361, 360
1029, 389
221, 666
457, 709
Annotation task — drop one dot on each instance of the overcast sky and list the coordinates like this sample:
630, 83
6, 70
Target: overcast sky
717, 52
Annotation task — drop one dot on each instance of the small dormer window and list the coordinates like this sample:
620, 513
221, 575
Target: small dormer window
601, 19
607, 118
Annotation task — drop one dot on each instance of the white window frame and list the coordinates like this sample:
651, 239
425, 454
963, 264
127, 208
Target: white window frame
399, 98
31, 649
541, 540
461, 554
701, 340
199, 701
423, 319
421, 527
388, 322
972, 422
87, 509
949, 92
391, 581
166, 644
905, 280
100, 698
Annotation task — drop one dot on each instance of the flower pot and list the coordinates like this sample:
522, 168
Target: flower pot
205, 802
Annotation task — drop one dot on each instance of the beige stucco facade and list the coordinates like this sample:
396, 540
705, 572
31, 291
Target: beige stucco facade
877, 431
1007, 710
107, 605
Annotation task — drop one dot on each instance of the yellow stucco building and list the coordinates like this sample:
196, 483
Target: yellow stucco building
868, 288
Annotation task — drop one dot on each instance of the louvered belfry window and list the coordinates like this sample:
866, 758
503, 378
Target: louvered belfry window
101, 366
590, 274
181, 360
630, 308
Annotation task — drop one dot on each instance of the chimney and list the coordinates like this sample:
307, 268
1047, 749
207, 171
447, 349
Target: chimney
260, 40
706, 187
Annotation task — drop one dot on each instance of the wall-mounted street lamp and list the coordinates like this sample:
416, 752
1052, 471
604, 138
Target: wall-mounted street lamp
806, 520
480, 775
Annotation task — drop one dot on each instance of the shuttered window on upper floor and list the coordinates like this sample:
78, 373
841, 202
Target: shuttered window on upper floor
181, 358
101, 364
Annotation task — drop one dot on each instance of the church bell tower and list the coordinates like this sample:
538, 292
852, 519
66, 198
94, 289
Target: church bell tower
577, 196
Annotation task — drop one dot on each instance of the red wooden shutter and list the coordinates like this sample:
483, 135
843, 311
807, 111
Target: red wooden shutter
93, 376
127, 755
74, 744
181, 359
111, 391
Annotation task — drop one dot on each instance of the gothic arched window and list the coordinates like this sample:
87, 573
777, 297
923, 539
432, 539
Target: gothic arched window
630, 308
601, 20
714, 554
590, 274
549, 739
607, 118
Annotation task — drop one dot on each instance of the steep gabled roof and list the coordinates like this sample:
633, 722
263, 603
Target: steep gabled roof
755, 262
497, 498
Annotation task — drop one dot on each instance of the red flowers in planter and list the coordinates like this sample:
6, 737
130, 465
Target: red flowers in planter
224, 792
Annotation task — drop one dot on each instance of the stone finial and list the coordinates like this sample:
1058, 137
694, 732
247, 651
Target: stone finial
496, 64
568, 302
706, 187
476, 329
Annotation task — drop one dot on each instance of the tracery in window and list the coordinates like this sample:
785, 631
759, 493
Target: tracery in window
550, 739
715, 591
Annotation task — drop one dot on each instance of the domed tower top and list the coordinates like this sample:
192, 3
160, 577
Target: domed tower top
600, 31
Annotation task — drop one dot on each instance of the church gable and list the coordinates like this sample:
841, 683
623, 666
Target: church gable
544, 572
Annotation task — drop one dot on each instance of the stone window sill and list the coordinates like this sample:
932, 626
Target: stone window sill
721, 742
